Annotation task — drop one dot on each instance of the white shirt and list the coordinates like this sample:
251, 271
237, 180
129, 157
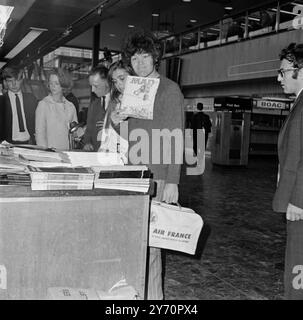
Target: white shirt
16, 134
107, 98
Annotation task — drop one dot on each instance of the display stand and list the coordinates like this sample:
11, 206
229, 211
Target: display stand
76, 239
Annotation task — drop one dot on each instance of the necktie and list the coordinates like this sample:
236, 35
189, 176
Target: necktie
19, 113
103, 102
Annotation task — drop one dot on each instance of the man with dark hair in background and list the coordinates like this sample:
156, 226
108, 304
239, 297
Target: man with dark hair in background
289, 194
200, 121
17, 110
96, 111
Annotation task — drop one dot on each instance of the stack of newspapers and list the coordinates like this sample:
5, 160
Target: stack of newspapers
12, 171
130, 178
61, 178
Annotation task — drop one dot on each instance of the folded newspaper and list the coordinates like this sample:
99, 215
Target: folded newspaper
139, 97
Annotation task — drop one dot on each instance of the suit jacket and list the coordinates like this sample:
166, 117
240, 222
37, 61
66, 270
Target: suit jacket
30, 105
201, 120
290, 152
2, 115
95, 113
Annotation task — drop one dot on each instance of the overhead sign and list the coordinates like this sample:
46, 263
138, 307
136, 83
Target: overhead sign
231, 103
269, 104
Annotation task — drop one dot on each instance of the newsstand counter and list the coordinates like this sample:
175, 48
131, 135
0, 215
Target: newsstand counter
71, 238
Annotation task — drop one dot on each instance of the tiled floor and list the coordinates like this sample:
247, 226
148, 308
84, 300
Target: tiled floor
241, 250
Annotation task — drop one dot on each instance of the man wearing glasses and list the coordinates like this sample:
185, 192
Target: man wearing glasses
289, 194
17, 109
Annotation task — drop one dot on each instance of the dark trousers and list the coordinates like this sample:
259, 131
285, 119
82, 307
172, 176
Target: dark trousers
293, 272
195, 140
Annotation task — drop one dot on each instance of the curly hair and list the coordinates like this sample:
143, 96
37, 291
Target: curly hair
142, 41
114, 92
294, 54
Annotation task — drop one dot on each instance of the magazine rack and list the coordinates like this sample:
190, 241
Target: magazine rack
76, 239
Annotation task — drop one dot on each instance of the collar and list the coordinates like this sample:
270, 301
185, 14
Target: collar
51, 99
299, 93
13, 94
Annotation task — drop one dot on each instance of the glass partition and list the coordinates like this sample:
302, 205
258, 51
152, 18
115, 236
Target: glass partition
189, 41
172, 45
231, 28
236, 29
261, 21
210, 36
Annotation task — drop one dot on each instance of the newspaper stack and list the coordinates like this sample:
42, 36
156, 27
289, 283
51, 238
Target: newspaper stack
61, 178
130, 178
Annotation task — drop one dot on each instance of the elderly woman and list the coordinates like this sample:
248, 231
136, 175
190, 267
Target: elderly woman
55, 113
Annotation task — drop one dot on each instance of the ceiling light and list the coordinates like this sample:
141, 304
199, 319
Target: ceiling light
228, 8
186, 0
155, 14
254, 19
193, 20
112, 35
5, 13
287, 12
131, 26
29, 38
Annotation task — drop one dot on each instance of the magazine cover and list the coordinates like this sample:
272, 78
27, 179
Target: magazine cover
139, 97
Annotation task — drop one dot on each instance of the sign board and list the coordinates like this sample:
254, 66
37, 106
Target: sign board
231, 103
190, 104
270, 104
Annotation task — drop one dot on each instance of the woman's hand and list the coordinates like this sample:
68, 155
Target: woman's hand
170, 193
117, 117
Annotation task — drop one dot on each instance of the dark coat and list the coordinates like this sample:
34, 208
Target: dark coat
95, 113
29, 104
201, 120
290, 152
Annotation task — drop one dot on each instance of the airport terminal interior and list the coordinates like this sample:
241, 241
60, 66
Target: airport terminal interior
240, 254
223, 54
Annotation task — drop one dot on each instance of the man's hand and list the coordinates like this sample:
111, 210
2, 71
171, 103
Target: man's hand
294, 213
88, 147
99, 125
170, 193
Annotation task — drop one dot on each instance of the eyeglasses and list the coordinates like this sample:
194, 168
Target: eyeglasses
281, 72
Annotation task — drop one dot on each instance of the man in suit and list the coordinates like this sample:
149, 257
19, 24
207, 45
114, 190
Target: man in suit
18, 109
96, 111
200, 121
289, 194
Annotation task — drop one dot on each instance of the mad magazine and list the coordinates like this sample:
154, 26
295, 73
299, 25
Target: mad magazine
139, 97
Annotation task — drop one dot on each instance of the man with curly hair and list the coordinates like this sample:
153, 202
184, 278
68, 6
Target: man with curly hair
142, 51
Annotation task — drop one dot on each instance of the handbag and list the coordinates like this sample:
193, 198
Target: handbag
174, 227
